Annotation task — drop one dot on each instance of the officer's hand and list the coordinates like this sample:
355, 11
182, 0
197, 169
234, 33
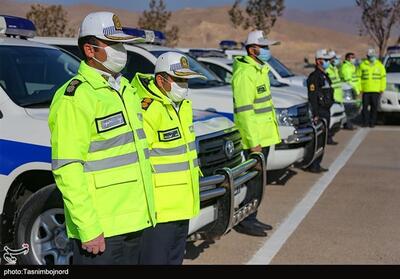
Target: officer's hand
96, 245
258, 148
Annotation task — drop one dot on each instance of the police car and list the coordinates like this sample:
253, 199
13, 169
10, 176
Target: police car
31, 206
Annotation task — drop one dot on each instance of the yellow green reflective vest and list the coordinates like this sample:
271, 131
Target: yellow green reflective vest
173, 154
100, 157
348, 73
333, 73
373, 77
254, 112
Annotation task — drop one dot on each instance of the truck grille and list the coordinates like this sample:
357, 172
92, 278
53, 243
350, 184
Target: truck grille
212, 152
300, 116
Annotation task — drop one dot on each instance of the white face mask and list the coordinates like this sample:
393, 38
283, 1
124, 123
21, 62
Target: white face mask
178, 93
116, 57
353, 61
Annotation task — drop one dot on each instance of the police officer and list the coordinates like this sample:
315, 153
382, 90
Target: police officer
320, 96
348, 73
373, 83
168, 124
99, 150
254, 112
333, 74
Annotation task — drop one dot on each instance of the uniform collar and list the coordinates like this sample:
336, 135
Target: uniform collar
92, 76
248, 59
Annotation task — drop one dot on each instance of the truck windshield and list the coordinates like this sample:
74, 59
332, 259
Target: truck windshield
282, 70
393, 65
212, 79
31, 75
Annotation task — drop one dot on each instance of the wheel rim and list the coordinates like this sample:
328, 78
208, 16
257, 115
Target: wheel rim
49, 241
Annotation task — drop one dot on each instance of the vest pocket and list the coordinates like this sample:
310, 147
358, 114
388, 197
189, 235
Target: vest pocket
171, 179
116, 176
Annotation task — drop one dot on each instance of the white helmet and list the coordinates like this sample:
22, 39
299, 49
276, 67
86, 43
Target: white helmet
323, 54
105, 26
371, 52
257, 37
333, 54
175, 64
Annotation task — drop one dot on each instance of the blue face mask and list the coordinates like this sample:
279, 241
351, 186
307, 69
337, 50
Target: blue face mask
336, 62
325, 65
264, 55
372, 59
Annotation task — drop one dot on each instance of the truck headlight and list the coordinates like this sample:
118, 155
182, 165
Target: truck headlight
283, 117
348, 95
393, 87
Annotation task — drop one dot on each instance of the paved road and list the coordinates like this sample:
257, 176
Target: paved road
350, 215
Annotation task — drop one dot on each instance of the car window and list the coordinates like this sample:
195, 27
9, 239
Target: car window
31, 75
72, 49
282, 70
221, 72
212, 80
393, 65
137, 64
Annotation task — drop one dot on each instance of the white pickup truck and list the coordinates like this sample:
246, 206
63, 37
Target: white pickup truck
390, 99
31, 206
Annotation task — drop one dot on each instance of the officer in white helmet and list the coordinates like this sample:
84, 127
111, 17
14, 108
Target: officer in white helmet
100, 152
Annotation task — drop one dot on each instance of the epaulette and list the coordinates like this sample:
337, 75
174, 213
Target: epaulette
146, 102
72, 86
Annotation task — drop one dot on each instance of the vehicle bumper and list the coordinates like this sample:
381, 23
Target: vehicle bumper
352, 109
389, 102
223, 193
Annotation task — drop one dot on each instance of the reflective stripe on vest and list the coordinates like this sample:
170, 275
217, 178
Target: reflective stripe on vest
173, 150
112, 162
110, 143
58, 163
244, 108
263, 99
164, 168
141, 134
263, 110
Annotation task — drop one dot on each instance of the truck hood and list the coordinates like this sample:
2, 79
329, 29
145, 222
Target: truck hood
298, 91
284, 99
38, 113
296, 80
393, 77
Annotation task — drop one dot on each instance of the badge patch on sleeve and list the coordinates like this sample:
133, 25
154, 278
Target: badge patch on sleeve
261, 89
169, 135
312, 87
110, 122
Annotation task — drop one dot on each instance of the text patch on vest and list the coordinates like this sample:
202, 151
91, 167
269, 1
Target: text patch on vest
169, 135
261, 89
110, 122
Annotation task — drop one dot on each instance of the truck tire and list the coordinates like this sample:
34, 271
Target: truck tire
40, 223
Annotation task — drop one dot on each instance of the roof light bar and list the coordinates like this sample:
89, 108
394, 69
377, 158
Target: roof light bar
16, 26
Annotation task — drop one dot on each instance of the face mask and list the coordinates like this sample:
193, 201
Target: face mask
178, 92
325, 65
336, 62
372, 59
353, 61
264, 55
116, 57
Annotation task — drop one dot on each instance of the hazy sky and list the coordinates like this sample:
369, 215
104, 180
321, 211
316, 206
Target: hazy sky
305, 5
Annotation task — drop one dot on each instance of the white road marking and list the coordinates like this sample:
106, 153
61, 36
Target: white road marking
274, 243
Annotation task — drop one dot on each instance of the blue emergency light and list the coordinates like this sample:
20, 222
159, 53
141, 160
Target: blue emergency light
16, 26
206, 53
228, 44
149, 36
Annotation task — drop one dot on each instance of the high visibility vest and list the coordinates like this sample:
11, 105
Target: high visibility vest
173, 154
333, 74
348, 73
100, 157
373, 77
254, 112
